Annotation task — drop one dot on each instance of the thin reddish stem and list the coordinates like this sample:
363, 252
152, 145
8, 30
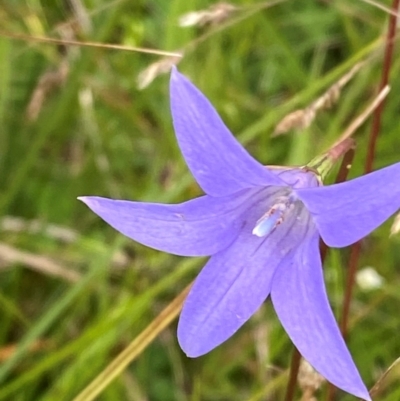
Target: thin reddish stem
294, 371
387, 64
345, 166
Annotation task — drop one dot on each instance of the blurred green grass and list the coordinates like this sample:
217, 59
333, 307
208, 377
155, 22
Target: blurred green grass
96, 133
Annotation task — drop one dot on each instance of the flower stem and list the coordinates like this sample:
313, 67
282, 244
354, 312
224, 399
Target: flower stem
294, 371
387, 64
345, 165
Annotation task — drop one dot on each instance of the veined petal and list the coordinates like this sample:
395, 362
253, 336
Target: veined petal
199, 227
299, 298
347, 212
233, 285
220, 165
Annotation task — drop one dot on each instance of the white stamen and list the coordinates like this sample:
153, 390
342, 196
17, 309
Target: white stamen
275, 216
266, 224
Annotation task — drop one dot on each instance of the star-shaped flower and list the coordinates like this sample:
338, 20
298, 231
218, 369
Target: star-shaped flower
261, 227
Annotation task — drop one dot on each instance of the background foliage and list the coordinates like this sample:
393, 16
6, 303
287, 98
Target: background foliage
73, 292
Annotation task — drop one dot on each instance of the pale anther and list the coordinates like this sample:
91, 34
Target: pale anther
273, 217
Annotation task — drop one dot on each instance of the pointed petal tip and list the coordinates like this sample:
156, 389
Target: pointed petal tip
180, 83
87, 200
358, 390
176, 75
367, 397
362, 394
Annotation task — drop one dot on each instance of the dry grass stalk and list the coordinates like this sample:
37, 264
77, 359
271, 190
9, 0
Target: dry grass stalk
48, 83
17, 224
360, 119
39, 263
302, 118
66, 42
217, 15
309, 381
383, 8
51, 80
345, 142
380, 384
214, 15
162, 66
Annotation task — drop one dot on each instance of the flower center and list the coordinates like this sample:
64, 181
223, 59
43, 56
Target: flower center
274, 216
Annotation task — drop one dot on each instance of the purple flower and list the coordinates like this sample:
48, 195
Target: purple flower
261, 227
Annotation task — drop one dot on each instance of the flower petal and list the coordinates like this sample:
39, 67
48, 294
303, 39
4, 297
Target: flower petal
233, 285
299, 297
219, 163
344, 213
199, 227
